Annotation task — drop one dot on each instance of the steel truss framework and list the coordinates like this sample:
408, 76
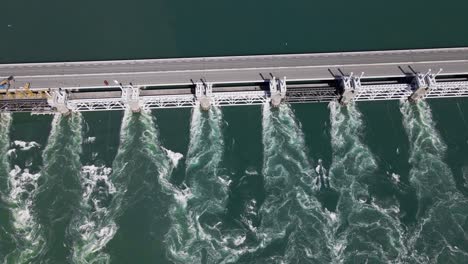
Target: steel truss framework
311, 95
25, 105
294, 95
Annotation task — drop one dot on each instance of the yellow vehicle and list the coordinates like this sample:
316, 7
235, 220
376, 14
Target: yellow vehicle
27, 89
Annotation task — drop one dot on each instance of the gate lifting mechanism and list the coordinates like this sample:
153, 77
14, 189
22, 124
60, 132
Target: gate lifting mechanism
204, 94
423, 83
350, 86
64, 101
131, 97
58, 100
277, 91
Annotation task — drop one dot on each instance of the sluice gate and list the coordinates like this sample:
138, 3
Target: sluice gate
347, 89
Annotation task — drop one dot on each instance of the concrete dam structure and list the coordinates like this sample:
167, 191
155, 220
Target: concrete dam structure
239, 80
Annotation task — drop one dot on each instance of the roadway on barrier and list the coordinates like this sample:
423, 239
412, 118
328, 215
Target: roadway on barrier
237, 69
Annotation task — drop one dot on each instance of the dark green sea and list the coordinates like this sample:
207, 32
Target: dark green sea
375, 182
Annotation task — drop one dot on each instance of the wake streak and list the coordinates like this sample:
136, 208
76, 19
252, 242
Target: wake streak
58, 192
106, 194
13, 207
290, 212
198, 233
94, 224
366, 231
441, 234
93, 227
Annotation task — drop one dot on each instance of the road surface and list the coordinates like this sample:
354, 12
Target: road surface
238, 69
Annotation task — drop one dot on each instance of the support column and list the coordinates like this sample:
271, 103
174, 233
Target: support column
423, 83
277, 91
350, 86
131, 97
58, 100
204, 94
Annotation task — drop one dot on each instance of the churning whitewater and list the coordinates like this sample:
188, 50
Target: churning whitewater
368, 229
12, 205
198, 233
94, 223
139, 174
60, 207
23, 184
440, 235
58, 187
291, 214
93, 226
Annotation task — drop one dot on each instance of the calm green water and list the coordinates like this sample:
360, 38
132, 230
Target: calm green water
237, 184
53, 30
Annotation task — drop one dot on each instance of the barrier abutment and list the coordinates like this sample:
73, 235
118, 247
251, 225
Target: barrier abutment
58, 100
278, 90
131, 97
423, 84
350, 86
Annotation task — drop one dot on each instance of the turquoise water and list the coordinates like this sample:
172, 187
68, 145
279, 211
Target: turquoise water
382, 182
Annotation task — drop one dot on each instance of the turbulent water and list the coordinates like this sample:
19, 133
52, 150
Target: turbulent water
374, 182
290, 214
72, 198
440, 236
368, 229
56, 190
199, 232
104, 189
139, 171
5, 198
23, 184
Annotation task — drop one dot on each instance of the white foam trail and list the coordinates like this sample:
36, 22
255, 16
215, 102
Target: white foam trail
103, 192
56, 194
93, 223
89, 140
251, 172
173, 156
23, 145
5, 123
23, 185
290, 212
443, 211
395, 178
352, 165
198, 232
186, 231
429, 174
465, 176
322, 179
11, 152
28, 234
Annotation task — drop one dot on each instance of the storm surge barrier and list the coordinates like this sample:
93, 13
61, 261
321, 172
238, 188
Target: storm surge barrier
238, 80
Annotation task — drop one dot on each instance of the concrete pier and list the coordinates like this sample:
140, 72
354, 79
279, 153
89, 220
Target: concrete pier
205, 103
58, 100
276, 100
423, 83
